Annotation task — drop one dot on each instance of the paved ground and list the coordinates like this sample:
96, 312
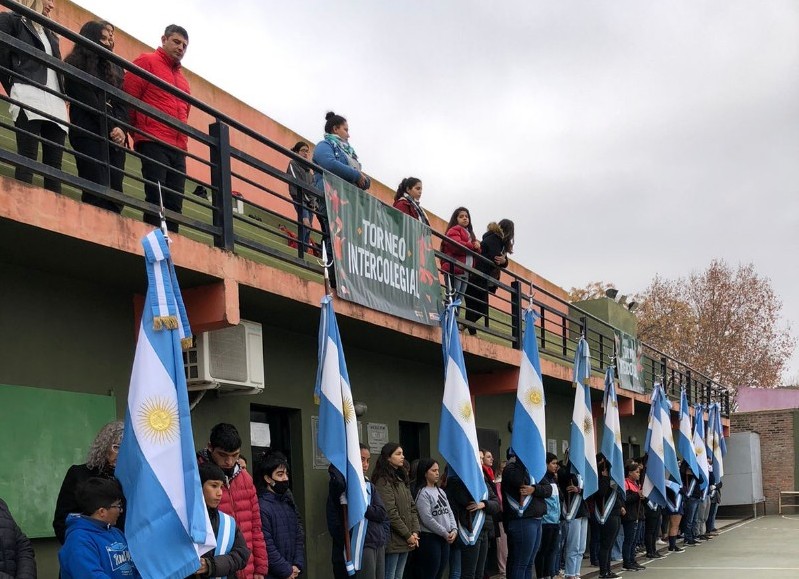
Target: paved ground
767, 547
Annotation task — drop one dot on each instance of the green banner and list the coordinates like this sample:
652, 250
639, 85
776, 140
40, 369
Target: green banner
629, 365
384, 259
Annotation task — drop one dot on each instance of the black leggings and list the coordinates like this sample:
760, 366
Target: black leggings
104, 167
28, 146
651, 529
607, 537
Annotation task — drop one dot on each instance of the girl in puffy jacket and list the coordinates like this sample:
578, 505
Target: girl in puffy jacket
460, 241
280, 520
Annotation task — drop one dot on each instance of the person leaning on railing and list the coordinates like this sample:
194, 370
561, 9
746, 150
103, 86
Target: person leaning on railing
97, 132
162, 147
38, 105
305, 202
335, 154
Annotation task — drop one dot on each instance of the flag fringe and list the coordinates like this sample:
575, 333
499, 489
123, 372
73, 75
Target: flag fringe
187, 343
165, 322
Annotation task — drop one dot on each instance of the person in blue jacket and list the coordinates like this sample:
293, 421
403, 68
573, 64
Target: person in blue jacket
94, 547
335, 154
280, 520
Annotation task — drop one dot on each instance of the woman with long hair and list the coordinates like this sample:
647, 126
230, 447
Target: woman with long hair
280, 520
407, 199
496, 245
436, 520
391, 481
633, 507
100, 462
98, 119
39, 114
460, 242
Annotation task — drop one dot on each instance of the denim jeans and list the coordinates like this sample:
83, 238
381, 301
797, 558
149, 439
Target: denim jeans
524, 539
628, 547
711, 518
575, 545
395, 565
615, 553
689, 518
454, 561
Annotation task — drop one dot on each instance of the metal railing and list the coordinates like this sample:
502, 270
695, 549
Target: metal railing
251, 213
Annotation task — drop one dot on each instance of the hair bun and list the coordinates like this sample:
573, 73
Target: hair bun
329, 115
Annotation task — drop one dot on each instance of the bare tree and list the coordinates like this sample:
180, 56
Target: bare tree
723, 321
595, 289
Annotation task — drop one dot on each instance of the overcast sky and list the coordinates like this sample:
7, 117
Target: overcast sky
624, 138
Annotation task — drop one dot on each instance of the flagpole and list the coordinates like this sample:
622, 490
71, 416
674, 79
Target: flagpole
325, 264
162, 214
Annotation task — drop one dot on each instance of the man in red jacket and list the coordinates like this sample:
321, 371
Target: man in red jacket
162, 147
239, 499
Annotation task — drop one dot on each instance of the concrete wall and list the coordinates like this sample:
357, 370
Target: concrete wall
778, 443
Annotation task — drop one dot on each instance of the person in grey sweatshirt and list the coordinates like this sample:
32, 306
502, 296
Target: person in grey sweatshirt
438, 526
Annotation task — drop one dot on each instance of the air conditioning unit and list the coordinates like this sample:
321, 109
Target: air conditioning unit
230, 360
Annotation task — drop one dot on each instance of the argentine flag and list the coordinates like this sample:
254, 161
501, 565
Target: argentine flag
700, 448
167, 525
457, 435
582, 445
717, 447
654, 487
528, 439
669, 448
337, 437
685, 439
611, 434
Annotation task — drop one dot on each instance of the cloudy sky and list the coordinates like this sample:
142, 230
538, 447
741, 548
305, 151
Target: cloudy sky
625, 138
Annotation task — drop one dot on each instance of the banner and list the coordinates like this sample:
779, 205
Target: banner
384, 259
628, 362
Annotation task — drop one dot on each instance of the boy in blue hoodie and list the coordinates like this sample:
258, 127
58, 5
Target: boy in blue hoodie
94, 548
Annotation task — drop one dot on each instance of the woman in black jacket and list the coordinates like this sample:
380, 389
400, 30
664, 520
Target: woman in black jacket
16, 552
40, 113
496, 245
523, 506
608, 509
98, 134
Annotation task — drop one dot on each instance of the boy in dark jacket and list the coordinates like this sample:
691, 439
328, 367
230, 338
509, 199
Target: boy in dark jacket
16, 556
231, 553
94, 547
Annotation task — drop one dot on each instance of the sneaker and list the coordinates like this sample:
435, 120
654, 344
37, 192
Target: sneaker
639, 567
706, 537
662, 542
631, 567
677, 549
692, 543
610, 575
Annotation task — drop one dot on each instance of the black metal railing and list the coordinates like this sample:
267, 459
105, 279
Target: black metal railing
260, 223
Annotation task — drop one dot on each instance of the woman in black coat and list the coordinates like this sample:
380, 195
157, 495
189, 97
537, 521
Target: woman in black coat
101, 461
16, 553
40, 113
496, 245
98, 134
608, 508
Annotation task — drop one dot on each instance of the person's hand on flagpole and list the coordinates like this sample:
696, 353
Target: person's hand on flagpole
623, 511
472, 507
526, 490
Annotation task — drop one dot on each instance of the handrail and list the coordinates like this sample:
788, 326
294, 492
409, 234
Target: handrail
561, 323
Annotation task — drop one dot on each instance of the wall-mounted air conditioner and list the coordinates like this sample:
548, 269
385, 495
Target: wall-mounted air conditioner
229, 360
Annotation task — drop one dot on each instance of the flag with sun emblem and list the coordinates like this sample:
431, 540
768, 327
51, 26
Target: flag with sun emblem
166, 523
528, 439
685, 441
611, 434
654, 487
337, 436
716, 446
582, 444
669, 448
457, 435
698, 442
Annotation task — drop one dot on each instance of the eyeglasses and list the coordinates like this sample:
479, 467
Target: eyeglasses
117, 507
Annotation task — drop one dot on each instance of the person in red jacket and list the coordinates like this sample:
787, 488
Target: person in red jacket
407, 199
239, 499
162, 147
460, 239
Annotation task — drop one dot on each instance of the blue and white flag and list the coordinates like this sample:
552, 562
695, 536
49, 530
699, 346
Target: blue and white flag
700, 448
337, 436
654, 487
611, 434
717, 447
166, 524
685, 442
528, 439
669, 448
457, 436
582, 445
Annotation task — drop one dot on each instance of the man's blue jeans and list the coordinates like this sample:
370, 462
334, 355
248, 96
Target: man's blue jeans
689, 516
524, 539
